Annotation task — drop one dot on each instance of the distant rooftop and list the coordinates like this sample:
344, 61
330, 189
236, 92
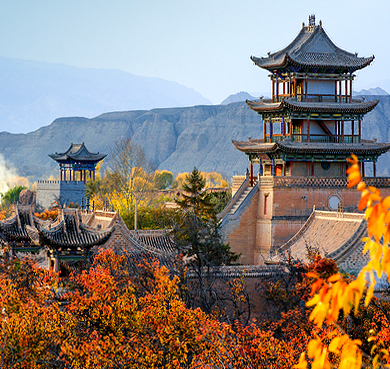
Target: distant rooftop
78, 153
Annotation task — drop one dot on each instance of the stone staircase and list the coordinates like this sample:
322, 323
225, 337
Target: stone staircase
238, 202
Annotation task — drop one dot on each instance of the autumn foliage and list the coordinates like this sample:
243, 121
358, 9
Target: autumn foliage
48, 214
108, 317
119, 313
335, 297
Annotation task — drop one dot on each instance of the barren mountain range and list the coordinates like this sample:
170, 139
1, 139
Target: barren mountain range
176, 139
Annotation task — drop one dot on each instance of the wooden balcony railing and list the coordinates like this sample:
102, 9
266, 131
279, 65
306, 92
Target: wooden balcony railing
296, 137
329, 98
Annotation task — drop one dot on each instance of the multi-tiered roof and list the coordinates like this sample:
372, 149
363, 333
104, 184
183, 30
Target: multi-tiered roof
312, 115
312, 51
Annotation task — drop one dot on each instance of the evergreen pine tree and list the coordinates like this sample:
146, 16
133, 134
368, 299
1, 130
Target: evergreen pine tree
195, 198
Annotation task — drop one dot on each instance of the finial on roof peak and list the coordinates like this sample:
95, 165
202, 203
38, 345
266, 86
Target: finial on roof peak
312, 20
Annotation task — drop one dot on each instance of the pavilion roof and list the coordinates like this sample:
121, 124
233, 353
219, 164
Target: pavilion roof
14, 229
289, 146
312, 49
291, 104
79, 153
70, 233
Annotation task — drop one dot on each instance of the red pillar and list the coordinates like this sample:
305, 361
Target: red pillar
350, 89
57, 264
340, 90
305, 89
346, 90
273, 90
374, 168
251, 175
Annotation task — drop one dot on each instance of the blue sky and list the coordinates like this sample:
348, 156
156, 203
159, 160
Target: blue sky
202, 44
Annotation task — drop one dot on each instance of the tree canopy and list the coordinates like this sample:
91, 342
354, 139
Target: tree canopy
195, 198
12, 195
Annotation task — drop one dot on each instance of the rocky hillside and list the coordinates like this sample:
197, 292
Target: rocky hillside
176, 139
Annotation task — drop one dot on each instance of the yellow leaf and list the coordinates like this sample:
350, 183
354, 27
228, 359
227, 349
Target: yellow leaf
302, 364
334, 278
314, 301
361, 186
312, 347
353, 179
333, 347
386, 203
312, 275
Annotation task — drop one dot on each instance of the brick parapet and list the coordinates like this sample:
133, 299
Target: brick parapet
342, 182
244, 185
237, 182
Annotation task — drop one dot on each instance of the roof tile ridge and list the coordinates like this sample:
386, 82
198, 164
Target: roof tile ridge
114, 220
297, 235
18, 217
344, 250
309, 41
9, 221
273, 56
52, 230
142, 246
297, 38
153, 249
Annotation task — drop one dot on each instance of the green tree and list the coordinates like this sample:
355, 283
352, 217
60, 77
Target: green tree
12, 195
195, 198
198, 239
162, 179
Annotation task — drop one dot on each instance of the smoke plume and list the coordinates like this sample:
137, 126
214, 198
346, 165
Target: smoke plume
9, 177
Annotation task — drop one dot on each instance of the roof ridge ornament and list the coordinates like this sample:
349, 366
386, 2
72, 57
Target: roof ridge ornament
312, 21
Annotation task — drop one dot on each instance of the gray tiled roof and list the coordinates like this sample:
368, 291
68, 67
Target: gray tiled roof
77, 152
14, 229
71, 233
333, 234
365, 146
291, 104
312, 48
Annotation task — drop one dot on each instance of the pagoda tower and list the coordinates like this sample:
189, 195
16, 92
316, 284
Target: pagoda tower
77, 165
311, 124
